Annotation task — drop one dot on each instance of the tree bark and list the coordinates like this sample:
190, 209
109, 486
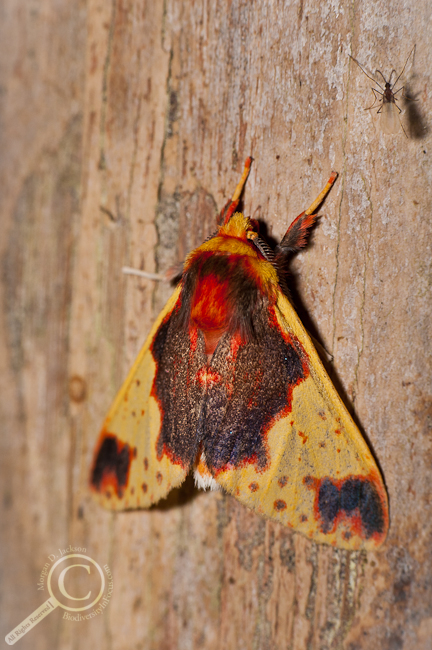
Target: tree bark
125, 126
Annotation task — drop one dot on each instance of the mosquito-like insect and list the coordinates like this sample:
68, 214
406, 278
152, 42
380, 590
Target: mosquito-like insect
386, 98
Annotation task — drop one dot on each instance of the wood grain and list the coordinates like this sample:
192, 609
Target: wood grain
124, 128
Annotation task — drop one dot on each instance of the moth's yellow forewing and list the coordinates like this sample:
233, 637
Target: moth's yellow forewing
321, 478
127, 472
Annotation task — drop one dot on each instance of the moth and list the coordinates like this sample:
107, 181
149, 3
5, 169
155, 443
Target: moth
229, 385
386, 99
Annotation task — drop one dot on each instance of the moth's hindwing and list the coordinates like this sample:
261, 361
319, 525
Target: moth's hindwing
129, 471
320, 478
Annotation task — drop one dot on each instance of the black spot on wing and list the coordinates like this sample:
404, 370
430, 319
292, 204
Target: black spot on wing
111, 466
328, 504
371, 511
352, 496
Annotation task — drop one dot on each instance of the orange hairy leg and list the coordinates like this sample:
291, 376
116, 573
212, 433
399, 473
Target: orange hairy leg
231, 206
296, 235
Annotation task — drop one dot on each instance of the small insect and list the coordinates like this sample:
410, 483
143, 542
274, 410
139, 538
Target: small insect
388, 108
229, 385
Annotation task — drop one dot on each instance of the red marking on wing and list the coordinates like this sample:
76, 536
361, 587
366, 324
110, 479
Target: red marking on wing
208, 377
283, 480
303, 436
250, 460
193, 340
172, 457
253, 487
279, 505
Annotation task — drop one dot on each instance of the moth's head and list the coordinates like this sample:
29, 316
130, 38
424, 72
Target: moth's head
238, 237
239, 226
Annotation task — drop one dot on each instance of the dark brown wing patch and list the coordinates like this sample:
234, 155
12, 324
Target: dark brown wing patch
255, 390
179, 355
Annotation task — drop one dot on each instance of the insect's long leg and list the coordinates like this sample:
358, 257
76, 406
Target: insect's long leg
364, 72
232, 205
323, 194
403, 69
374, 90
399, 109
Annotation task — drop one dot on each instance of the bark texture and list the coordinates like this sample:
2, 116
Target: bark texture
124, 126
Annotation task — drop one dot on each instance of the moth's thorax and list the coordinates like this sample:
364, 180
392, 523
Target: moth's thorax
232, 242
224, 280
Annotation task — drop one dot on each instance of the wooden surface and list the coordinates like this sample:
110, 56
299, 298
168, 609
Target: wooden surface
124, 125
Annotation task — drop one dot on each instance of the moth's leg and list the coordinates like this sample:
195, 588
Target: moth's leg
230, 207
320, 198
169, 276
322, 351
296, 235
